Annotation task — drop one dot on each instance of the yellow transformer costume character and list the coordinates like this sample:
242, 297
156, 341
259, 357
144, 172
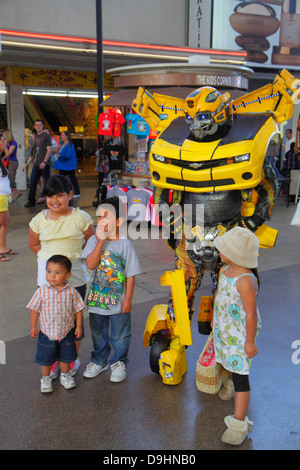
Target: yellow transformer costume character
211, 153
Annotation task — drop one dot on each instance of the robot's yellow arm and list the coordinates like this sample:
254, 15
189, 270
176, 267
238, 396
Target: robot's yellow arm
158, 110
277, 98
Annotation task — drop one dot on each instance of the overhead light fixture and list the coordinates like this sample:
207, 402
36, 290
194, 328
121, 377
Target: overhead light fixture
82, 95
227, 61
91, 51
60, 93
45, 93
46, 46
119, 44
145, 54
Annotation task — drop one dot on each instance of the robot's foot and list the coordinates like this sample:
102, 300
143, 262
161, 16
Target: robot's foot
172, 363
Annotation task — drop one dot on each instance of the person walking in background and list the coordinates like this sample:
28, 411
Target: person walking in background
41, 166
66, 163
289, 140
54, 145
5, 192
236, 323
291, 161
31, 150
13, 164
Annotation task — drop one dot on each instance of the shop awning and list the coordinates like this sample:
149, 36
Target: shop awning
126, 96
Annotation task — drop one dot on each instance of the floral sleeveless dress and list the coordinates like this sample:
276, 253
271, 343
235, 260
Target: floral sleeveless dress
230, 326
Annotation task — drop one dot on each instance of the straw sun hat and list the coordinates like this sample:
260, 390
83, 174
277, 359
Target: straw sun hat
240, 246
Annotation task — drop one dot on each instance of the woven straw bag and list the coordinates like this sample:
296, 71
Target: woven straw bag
208, 371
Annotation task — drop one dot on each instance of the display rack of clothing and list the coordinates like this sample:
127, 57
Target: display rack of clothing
110, 160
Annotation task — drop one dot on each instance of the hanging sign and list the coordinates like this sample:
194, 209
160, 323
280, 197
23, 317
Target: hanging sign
57, 78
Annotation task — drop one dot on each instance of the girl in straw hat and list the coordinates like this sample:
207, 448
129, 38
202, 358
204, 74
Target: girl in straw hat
236, 323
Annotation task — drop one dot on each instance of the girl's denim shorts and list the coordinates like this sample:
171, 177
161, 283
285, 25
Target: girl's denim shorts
49, 351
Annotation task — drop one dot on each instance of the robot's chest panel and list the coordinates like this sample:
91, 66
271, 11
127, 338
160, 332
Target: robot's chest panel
218, 207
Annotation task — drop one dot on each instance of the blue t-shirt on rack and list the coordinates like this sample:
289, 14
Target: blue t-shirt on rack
137, 125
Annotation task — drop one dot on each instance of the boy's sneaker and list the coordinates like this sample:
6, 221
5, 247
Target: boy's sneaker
67, 381
92, 369
118, 372
46, 384
54, 371
74, 366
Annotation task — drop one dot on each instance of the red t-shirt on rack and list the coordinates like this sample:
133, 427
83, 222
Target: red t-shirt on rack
106, 123
118, 121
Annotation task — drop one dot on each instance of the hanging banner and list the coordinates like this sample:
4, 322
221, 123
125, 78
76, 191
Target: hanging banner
58, 78
268, 30
200, 13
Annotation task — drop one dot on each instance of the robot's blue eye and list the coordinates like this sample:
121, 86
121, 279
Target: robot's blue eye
203, 116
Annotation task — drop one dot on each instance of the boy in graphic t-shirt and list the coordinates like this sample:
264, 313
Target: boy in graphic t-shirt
115, 265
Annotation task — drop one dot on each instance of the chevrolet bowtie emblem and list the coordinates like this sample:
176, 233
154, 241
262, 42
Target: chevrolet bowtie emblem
196, 165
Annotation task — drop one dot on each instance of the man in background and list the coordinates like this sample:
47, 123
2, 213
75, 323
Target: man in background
41, 167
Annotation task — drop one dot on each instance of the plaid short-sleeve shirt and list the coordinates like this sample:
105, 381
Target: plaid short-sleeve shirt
56, 309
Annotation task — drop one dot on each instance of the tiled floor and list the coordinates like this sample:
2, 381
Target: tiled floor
142, 413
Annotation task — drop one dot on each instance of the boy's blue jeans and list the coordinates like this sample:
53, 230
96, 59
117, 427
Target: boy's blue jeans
120, 337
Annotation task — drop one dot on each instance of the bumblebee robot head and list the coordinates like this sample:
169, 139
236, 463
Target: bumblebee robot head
206, 108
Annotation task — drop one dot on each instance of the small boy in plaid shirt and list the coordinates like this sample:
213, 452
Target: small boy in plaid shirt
59, 309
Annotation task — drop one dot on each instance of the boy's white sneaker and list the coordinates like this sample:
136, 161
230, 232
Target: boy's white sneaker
67, 381
92, 370
118, 372
46, 384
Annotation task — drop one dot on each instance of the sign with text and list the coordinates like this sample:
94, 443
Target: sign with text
58, 78
224, 81
200, 13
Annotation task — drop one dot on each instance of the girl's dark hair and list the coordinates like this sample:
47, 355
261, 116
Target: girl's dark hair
2, 166
62, 260
116, 205
57, 184
255, 272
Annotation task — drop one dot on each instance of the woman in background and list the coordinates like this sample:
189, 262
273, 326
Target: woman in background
5, 192
66, 163
13, 164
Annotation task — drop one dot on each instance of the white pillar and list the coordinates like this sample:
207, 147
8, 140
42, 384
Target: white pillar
18, 126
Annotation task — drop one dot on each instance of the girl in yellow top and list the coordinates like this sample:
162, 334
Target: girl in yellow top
61, 230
